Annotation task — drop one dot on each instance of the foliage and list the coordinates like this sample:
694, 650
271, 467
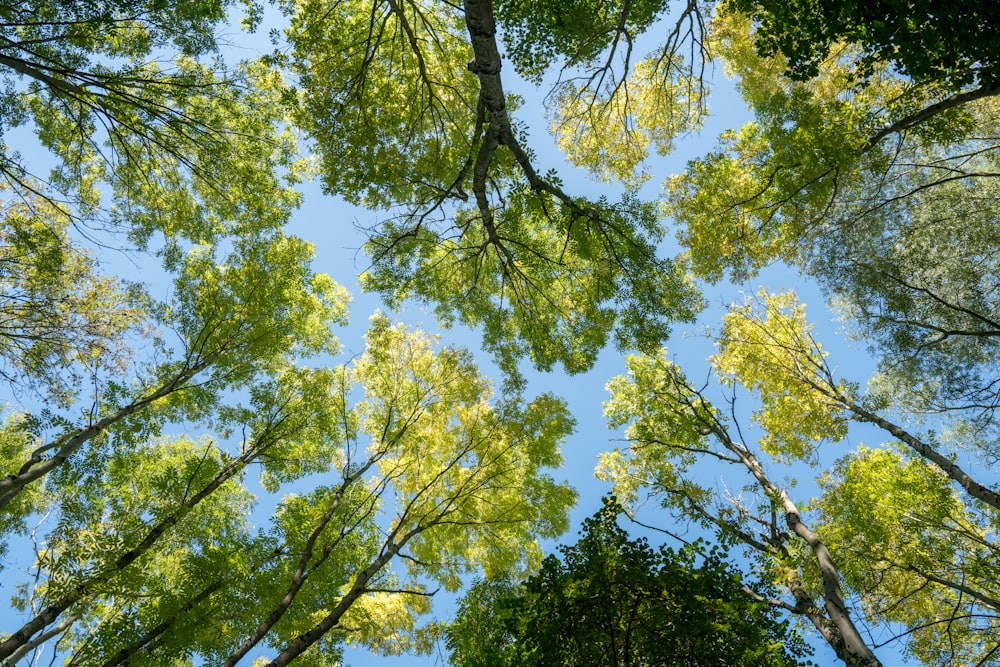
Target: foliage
152, 556
610, 600
955, 45
915, 274
887, 205
60, 320
906, 532
88, 80
127, 463
540, 35
128, 470
403, 122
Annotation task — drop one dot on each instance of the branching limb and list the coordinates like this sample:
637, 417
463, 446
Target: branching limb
918, 117
93, 583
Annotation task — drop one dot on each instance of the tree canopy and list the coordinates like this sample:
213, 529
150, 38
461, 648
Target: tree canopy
611, 600
200, 479
954, 44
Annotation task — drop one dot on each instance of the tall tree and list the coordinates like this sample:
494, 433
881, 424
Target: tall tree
871, 170
153, 557
132, 479
406, 105
405, 102
891, 209
900, 535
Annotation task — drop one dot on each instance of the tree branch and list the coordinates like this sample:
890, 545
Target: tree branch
918, 117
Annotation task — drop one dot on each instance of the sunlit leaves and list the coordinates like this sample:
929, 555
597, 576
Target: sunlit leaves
782, 178
135, 117
229, 171
768, 348
550, 282
750, 203
666, 419
151, 536
416, 457
386, 95
304, 415
870, 190
120, 29
259, 303
904, 534
409, 473
385, 622
607, 125
107, 510
403, 122
462, 465
878, 503
61, 320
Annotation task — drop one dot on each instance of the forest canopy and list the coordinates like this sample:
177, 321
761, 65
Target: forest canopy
195, 472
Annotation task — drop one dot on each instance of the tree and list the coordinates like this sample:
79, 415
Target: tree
153, 557
129, 470
884, 193
407, 109
610, 600
954, 45
551, 276
855, 169
898, 231
904, 530
848, 171
87, 77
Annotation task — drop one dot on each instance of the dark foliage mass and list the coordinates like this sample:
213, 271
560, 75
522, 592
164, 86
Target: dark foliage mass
610, 600
952, 43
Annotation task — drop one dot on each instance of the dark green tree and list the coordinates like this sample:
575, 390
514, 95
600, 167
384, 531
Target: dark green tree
953, 43
615, 601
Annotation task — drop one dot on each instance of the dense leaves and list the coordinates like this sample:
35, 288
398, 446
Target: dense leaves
903, 532
907, 529
135, 485
610, 600
408, 112
953, 44
887, 200
60, 319
152, 540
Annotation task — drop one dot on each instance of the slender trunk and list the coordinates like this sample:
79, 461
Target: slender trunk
39, 640
50, 613
301, 574
307, 639
946, 465
846, 641
37, 467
